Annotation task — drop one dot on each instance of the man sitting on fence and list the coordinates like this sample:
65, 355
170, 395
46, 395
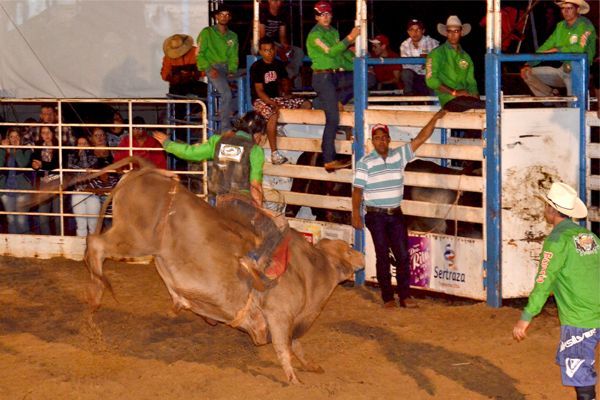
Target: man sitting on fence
270, 92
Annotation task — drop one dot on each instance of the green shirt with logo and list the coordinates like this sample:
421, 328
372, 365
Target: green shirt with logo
569, 267
206, 151
577, 38
215, 47
450, 67
325, 48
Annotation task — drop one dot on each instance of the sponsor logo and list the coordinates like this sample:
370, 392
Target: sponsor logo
463, 64
544, 266
575, 339
230, 42
572, 365
573, 39
449, 255
229, 152
585, 244
445, 274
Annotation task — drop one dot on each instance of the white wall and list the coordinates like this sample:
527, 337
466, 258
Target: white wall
90, 48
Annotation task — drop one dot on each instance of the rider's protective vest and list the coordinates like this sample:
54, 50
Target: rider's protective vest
231, 165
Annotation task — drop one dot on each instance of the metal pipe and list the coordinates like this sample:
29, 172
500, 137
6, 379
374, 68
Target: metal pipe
255, 27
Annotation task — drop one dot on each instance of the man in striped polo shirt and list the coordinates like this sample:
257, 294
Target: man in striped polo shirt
379, 182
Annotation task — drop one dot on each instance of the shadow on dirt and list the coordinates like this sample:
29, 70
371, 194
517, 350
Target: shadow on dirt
472, 372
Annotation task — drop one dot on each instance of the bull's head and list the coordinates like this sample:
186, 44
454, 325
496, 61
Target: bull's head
342, 256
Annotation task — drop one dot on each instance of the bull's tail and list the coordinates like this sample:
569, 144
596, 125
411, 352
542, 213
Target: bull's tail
56, 186
103, 213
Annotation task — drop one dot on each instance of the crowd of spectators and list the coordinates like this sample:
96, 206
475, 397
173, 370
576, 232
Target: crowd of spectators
31, 158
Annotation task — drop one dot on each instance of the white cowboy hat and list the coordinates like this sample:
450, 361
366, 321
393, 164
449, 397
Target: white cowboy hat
177, 45
453, 20
584, 7
563, 198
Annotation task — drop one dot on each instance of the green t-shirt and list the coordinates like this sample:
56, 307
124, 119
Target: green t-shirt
570, 267
450, 67
217, 48
206, 151
325, 48
578, 38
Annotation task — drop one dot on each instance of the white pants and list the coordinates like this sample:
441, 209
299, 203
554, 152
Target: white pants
85, 204
541, 80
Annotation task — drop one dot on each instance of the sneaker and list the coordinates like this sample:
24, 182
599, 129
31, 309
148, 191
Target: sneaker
337, 164
277, 158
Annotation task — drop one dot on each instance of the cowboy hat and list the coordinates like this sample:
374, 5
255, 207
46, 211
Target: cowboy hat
583, 6
177, 45
563, 198
453, 20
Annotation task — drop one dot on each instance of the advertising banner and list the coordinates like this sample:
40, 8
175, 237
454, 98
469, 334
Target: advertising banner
439, 263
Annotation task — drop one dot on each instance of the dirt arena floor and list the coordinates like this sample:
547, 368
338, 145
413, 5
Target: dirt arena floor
51, 348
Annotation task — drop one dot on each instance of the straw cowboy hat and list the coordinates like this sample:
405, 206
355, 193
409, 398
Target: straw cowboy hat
453, 20
177, 45
563, 198
584, 7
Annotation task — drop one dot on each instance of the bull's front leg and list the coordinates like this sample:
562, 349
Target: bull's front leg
282, 341
306, 364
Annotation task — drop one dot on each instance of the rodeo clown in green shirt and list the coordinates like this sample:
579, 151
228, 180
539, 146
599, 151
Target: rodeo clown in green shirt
575, 34
569, 267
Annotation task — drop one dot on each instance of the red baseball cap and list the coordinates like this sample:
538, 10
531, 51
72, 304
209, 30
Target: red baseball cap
380, 39
381, 127
323, 7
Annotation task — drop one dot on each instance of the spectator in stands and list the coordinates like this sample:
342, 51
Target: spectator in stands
29, 134
15, 180
576, 34
274, 23
84, 203
595, 70
46, 161
48, 115
269, 80
104, 156
179, 66
142, 139
388, 76
450, 70
116, 133
218, 58
327, 53
417, 45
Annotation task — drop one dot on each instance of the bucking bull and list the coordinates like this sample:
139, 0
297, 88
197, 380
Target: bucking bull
196, 251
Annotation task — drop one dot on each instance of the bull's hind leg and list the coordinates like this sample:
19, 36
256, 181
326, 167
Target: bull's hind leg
306, 364
94, 259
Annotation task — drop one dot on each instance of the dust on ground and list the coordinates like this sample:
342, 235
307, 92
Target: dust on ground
51, 347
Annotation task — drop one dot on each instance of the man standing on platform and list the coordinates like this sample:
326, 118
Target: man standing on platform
218, 57
379, 182
328, 59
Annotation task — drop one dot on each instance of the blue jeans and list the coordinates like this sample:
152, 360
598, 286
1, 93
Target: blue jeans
221, 85
331, 88
414, 84
18, 224
49, 206
389, 232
